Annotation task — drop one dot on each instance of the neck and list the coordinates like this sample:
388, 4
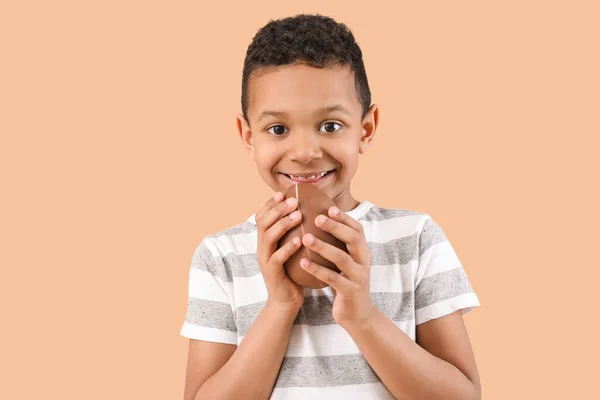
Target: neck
345, 202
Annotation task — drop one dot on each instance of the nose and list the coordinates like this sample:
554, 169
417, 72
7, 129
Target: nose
304, 147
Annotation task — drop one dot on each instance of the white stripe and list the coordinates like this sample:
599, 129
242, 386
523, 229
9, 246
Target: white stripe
375, 231
211, 246
396, 278
249, 290
204, 285
391, 229
209, 334
242, 243
351, 392
328, 340
465, 303
326, 291
438, 258
356, 213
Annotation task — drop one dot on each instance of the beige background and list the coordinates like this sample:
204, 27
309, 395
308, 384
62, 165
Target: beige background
118, 152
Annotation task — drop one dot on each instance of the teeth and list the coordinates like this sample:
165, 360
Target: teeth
308, 178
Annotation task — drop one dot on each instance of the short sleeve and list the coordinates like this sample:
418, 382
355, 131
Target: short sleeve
442, 286
210, 307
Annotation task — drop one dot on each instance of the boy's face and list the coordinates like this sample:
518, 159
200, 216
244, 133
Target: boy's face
305, 125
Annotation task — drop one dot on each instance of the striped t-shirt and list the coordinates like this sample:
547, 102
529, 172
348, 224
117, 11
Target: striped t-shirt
416, 276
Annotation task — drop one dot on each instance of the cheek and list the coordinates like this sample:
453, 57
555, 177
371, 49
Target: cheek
346, 153
265, 155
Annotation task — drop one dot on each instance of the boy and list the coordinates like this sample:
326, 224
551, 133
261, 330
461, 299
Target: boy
390, 325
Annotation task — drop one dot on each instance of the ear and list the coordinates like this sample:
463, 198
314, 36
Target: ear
245, 132
369, 126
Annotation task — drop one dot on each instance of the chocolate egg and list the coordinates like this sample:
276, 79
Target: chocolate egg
312, 202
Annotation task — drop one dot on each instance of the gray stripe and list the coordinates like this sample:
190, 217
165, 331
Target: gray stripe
381, 214
397, 251
243, 228
395, 306
317, 310
210, 314
229, 266
245, 316
242, 265
217, 266
442, 286
431, 234
325, 371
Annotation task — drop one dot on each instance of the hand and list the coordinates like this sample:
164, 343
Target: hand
352, 294
273, 221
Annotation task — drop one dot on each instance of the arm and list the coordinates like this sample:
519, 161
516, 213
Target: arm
252, 368
440, 365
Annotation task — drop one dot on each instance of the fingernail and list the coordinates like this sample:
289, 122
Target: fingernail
278, 196
335, 210
290, 201
304, 263
295, 241
294, 215
320, 220
308, 238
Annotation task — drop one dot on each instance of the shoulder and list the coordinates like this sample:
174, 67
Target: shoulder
378, 213
404, 221
220, 242
216, 251
402, 227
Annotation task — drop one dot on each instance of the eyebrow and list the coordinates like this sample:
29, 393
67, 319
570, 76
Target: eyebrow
324, 110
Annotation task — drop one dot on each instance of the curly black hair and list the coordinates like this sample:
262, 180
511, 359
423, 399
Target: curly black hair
314, 40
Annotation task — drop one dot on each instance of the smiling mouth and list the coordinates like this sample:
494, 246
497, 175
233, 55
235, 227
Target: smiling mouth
308, 178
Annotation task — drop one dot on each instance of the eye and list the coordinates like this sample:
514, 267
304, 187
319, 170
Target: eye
277, 130
330, 127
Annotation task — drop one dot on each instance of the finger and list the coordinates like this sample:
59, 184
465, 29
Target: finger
275, 217
345, 219
340, 258
343, 232
277, 230
285, 252
349, 231
338, 282
274, 200
265, 252
277, 212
